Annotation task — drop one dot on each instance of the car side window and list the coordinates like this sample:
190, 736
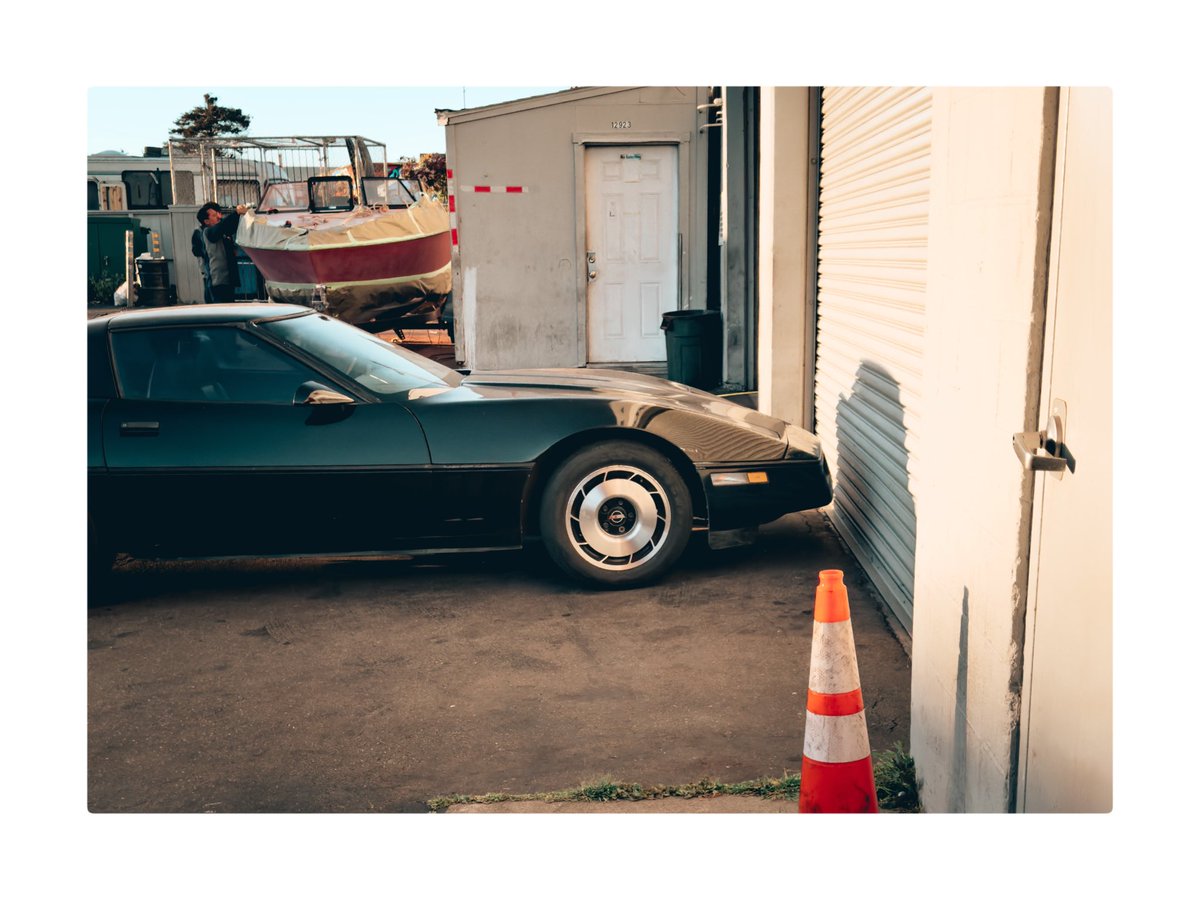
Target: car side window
197, 365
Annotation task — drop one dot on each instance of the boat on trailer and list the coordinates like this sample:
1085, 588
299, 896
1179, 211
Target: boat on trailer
353, 240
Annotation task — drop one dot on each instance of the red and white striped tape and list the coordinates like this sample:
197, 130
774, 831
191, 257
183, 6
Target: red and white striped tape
473, 189
450, 204
497, 189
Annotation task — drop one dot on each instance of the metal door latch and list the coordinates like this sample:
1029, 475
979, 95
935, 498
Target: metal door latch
591, 265
1046, 451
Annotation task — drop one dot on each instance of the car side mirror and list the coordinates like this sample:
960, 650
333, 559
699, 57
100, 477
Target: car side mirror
313, 393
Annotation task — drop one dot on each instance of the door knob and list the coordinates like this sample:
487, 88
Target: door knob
1046, 451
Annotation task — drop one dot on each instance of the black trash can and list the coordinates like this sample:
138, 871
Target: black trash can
154, 288
693, 346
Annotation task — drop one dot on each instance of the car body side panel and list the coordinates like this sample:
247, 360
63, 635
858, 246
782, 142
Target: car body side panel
210, 478
440, 467
476, 506
479, 425
475, 425
95, 441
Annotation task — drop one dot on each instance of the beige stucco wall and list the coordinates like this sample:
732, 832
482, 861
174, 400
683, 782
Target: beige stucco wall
785, 224
519, 279
989, 219
992, 156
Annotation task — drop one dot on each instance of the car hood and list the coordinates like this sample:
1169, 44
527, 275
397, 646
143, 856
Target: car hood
582, 379
621, 385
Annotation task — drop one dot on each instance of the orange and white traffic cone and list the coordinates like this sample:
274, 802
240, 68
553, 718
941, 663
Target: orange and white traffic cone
836, 773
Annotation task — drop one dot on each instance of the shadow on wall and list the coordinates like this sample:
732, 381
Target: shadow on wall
958, 757
873, 503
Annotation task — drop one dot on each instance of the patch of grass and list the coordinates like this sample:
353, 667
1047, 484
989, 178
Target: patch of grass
895, 786
896, 780
787, 786
605, 790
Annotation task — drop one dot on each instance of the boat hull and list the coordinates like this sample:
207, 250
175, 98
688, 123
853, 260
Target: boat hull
366, 268
414, 257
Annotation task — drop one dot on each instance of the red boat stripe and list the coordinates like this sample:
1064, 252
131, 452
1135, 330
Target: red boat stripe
403, 279
835, 704
348, 262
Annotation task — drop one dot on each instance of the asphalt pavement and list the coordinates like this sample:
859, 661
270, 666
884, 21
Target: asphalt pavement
356, 686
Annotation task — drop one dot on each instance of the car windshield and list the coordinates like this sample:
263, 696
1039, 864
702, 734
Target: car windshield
376, 364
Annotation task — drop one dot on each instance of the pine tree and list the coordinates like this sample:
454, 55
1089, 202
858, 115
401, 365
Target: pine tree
209, 121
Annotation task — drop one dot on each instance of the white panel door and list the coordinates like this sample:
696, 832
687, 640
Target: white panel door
1066, 727
632, 221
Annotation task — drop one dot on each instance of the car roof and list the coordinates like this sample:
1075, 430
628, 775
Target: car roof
196, 314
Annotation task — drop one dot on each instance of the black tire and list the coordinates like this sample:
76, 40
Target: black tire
616, 514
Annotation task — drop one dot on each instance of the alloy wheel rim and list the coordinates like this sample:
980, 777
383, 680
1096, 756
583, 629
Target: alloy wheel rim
617, 517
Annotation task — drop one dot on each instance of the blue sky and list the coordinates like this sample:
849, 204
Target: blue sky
403, 118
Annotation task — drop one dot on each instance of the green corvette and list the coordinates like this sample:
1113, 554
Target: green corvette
253, 429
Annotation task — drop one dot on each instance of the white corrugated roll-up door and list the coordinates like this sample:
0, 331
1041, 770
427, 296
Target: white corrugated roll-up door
873, 235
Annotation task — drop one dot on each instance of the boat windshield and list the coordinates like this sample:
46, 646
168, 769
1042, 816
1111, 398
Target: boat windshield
378, 365
331, 193
290, 196
387, 192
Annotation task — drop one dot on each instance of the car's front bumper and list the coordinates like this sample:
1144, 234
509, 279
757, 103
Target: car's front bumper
755, 493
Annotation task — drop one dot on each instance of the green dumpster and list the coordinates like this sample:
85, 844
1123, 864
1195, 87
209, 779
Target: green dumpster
106, 245
693, 346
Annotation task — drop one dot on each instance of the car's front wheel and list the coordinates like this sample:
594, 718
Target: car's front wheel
618, 514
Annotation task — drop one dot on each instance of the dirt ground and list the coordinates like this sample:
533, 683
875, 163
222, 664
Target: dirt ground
348, 686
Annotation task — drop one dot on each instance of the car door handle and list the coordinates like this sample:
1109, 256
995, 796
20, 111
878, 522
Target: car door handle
139, 429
